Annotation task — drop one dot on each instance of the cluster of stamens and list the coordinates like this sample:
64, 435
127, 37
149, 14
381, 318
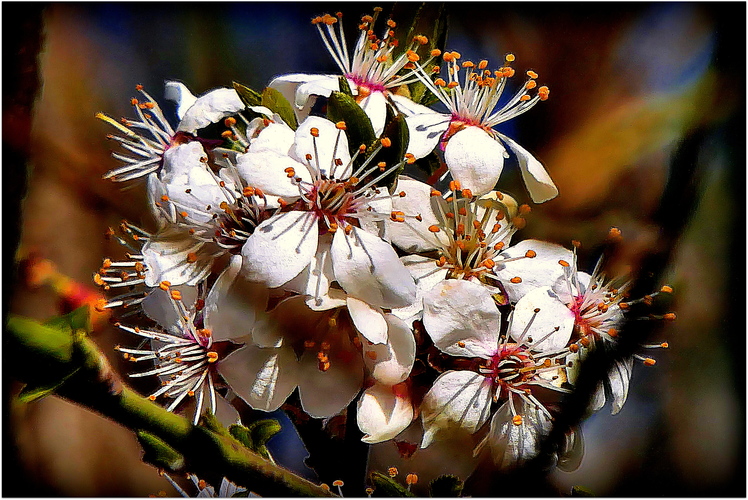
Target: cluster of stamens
183, 361
337, 194
473, 101
148, 145
473, 239
373, 66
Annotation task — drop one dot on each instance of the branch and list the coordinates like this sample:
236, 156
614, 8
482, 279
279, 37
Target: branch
69, 364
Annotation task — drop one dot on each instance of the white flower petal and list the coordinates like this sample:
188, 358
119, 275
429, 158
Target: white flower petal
325, 393
368, 320
462, 319
372, 223
407, 107
384, 412
542, 270
457, 399
167, 257
426, 274
572, 453
392, 362
315, 279
161, 308
280, 248
537, 180
263, 377
375, 106
331, 144
546, 330
277, 137
511, 444
267, 170
425, 131
180, 160
413, 235
180, 94
475, 159
210, 108
233, 303
368, 269
619, 378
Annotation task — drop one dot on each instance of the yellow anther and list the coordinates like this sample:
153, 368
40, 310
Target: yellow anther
212, 356
517, 420
650, 361
666, 289
509, 58
664, 345
337, 482
392, 471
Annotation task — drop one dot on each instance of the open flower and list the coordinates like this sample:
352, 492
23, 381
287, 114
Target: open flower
192, 340
473, 150
460, 237
321, 353
518, 368
149, 136
321, 235
371, 71
204, 215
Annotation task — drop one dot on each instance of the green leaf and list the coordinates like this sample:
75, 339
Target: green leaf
160, 454
34, 392
396, 130
344, 87
247, 95
385, 486
80, 319
342, 107
446, 486
275, 102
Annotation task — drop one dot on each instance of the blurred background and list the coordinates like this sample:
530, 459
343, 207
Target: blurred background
644, 131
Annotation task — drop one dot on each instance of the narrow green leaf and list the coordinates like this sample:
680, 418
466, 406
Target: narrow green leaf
385, 486
247, 95
34, 392
159, 454
446, 486
342, 107
275, 102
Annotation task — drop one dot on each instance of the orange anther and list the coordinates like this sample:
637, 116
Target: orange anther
192, 257
614, 233
386, 142
176, 295
372, 355
440, 82
574, 348
411, 479
315, 132
434, 228
517, 420
563, 263
212, 356
532, 74
666, 289
436, 53
340, 125
498, 246
392, 471
664, 345
164, 285
337, 482
509, 58
613, 332
669, 316
650, 361
516, 280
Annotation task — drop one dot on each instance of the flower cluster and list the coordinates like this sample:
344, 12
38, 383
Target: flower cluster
296, 251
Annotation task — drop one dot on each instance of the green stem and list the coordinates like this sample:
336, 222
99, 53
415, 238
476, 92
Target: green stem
48, 355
